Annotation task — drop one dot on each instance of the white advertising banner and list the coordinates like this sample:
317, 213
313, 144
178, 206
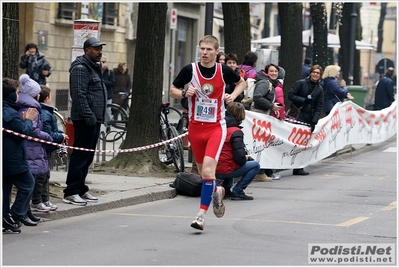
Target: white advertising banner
282, 145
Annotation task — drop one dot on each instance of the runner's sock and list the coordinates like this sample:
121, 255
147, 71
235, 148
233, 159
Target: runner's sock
208, 187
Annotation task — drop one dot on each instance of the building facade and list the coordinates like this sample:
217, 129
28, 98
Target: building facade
50, 25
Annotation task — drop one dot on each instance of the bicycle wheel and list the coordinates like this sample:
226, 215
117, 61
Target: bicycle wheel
60, 121
176, 149
174, 116
117, 123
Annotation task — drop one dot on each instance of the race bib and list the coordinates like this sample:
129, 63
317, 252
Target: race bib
205, 110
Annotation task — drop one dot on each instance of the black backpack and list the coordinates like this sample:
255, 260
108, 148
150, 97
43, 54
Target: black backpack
186, 183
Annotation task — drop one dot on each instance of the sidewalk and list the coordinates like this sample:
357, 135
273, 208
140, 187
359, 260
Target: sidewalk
115, 191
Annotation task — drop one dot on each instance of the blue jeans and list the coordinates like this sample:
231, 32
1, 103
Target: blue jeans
25, 184
247, 172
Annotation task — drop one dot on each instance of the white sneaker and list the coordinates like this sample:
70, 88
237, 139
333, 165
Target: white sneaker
199, 222
74, 200
218, 206
41, 207
50, 205
275, 176
89, 198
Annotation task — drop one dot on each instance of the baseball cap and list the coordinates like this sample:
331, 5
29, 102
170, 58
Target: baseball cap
92, 42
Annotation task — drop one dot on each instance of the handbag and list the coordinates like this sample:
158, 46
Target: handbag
293, 112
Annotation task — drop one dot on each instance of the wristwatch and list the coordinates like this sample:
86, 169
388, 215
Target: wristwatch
183, 93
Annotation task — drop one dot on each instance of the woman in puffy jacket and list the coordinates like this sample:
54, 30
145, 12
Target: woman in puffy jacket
334, 91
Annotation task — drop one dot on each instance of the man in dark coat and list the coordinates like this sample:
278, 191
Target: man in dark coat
384, 93
89, 97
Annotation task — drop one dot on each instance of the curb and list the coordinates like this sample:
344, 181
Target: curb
110, 201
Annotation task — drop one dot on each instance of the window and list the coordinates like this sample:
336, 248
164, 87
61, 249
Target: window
110, 14
61, 99
68, 11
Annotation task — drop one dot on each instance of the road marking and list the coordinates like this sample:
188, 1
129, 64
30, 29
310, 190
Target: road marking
391, 206
391, 150
343, 224
352, 221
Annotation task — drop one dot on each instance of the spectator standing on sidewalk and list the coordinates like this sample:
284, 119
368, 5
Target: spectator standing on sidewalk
109, 81
16, 170
385, 91
334, 91
231, 61
123, 83
234, 161
37, 157
89, 98
37, 67
221, 58
207, 126
50, 127
264, 101
309, 95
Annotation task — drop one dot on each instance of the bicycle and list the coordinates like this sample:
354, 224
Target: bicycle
174, 151
60, 156
119, 118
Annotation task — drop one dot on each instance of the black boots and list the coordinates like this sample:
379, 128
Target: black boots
300, 171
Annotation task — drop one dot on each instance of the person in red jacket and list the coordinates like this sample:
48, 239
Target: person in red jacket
234, 161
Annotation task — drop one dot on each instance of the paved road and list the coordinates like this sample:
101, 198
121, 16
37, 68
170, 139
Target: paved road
348, 199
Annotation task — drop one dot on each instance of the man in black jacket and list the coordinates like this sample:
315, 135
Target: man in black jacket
384, 93
89, 97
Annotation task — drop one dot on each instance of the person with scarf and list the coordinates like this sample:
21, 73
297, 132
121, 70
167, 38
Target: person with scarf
309, 95
264, 101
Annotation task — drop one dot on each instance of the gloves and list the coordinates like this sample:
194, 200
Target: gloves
308, 101
312, 126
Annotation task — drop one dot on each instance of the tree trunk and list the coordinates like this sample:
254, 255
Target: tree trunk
10, 40
143, 125
266, 24
291, 49
381, 27
345, 37
237, 29
319, 21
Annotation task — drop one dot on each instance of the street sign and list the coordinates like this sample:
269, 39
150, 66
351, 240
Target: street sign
173, 19
383, 65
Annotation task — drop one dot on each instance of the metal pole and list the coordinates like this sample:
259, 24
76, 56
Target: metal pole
368, 70
170, 63
353, 45
208, 18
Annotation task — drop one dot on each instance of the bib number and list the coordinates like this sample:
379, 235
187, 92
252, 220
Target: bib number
205, 110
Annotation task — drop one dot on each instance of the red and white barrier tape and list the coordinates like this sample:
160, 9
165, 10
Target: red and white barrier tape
100, 151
